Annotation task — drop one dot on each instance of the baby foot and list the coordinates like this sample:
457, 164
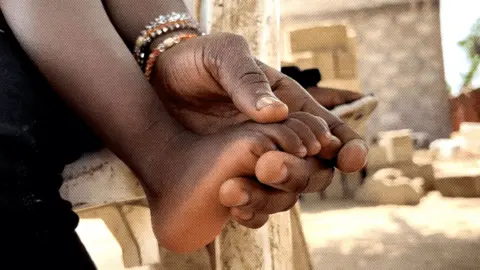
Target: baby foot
183, 190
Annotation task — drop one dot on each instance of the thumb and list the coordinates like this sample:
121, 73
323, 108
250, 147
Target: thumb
244, 81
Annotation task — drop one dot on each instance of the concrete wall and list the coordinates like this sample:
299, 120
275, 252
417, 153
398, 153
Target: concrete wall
400, 60
317, 7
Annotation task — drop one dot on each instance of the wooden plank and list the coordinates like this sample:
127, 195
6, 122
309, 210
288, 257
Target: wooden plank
301, 259
99, 179
113, 218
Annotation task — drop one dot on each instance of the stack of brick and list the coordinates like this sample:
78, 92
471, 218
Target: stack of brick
395, 150
459, 176
390, 186
471, 133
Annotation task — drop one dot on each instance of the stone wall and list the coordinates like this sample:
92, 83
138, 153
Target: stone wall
400, 60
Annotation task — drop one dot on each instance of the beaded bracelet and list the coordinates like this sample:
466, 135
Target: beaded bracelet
165, 45
161, 26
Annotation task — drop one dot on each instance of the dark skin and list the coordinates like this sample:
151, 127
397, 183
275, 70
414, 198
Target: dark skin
88, 64
214, 82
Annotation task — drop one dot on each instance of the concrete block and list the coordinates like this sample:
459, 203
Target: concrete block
398, 145
471, 133
377, 156
409, 169
389, 186
460, 184
319, 38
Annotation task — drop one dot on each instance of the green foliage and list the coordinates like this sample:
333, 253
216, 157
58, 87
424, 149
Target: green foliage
472, 46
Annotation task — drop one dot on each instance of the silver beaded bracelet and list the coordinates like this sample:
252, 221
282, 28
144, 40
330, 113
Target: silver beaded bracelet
160, 26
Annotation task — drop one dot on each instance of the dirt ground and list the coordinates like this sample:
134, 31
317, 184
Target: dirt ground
439, 233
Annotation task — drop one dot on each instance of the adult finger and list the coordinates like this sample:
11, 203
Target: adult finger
231, 63
353, 154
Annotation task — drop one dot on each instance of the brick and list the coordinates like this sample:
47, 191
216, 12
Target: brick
390, 66
388, 186
318, 38
398, 145
458, 185
471, 133
377, 156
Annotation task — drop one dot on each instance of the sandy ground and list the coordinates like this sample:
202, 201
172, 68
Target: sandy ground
439, 233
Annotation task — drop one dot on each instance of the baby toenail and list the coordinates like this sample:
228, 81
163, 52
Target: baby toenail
303, 151
245, 215
282, 176
244, 199
329, 136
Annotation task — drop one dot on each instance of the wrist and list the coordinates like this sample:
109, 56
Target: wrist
166, 36
161, 26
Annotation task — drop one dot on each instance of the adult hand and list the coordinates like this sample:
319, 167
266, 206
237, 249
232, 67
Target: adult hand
211, 82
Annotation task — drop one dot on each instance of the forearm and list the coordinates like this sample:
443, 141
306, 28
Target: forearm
87, 63
131, 16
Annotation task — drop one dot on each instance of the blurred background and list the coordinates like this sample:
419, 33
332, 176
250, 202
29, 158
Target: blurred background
417, 204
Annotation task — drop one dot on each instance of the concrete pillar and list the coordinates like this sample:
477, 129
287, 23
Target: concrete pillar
271, 246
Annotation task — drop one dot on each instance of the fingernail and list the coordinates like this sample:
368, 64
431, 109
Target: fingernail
244, 199
303, 151
361, 144
333, 138
267, 101
317, 144
283, 175
327, 138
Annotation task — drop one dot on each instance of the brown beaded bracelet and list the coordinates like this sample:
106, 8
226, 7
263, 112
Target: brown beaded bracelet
161, 26
163, 46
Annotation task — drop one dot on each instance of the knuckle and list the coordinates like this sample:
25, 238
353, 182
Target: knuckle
322, 121
339, 124
300, 114
292, 122
255, 77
